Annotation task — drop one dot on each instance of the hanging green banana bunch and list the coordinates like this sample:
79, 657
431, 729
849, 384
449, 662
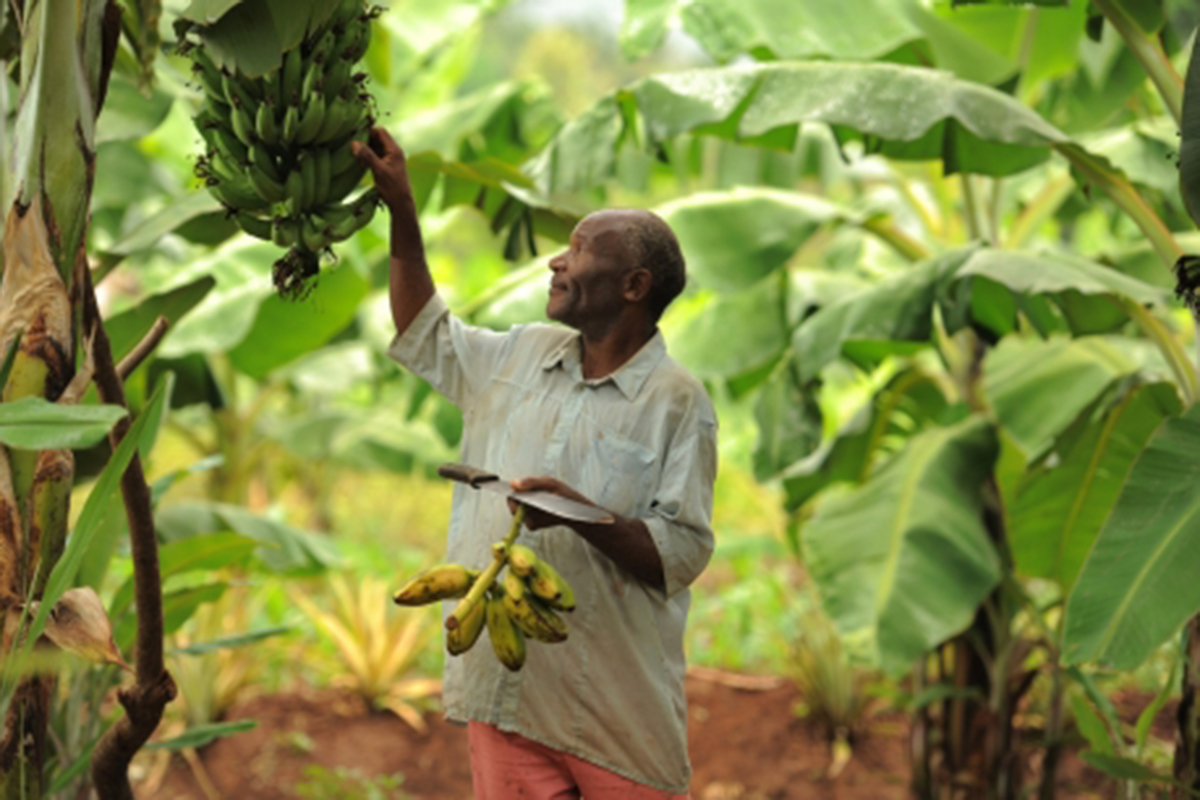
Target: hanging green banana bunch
278, 150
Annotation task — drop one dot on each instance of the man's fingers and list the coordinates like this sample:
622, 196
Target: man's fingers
534, 484
365, 155
387, 142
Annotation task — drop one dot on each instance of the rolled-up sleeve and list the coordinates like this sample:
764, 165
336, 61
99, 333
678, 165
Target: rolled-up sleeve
680, 519
456, 358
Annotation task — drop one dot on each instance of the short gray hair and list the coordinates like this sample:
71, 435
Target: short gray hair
653, 247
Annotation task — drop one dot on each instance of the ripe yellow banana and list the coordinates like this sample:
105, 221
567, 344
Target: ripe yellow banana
443, 582
463, 638
522, 559
533, 618
508, 642
551, 588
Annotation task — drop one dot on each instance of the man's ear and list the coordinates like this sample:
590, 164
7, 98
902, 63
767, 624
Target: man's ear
637, 285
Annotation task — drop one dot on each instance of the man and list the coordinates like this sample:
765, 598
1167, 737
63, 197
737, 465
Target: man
606, 417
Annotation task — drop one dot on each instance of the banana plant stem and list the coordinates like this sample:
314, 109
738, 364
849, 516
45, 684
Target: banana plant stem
1150, 54
970, 207
1172, 350
901, 242
485, 579
1048, 200
1116, 186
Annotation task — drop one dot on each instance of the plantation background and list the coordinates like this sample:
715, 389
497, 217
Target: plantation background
931, 254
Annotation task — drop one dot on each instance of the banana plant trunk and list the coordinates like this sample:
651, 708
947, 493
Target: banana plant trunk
62, 76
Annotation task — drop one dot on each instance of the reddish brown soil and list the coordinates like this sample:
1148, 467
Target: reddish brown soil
746, 744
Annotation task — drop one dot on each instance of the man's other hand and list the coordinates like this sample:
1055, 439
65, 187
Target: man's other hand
386, 161
536, 518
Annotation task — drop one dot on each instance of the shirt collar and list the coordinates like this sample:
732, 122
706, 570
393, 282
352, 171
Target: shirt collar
628, 378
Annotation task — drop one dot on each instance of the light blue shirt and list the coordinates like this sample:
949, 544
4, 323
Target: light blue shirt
640, 442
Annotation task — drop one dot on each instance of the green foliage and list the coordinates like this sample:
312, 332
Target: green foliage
34, 423
1134, 590
902, 562
322, 783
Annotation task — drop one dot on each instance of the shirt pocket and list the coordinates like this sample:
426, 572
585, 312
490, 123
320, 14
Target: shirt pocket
629, 474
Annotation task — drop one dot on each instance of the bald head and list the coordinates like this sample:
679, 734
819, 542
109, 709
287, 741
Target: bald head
650, 244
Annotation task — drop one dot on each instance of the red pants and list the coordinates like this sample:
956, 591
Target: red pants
507, 765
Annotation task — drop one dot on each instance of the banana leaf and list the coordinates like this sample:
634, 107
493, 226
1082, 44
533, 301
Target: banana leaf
1038, 388
733, 239
1138, 584
1060, 507
906, 113
910, 402
903, 561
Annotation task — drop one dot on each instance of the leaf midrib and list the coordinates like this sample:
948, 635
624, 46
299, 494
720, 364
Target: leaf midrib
907, 494
1111, 630
1089, 477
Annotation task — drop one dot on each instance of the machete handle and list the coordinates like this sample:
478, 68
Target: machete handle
468, 475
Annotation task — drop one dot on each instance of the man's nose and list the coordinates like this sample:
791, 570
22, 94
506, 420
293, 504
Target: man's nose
558, 262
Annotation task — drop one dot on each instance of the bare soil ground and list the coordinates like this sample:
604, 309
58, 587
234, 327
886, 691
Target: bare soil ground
746, 744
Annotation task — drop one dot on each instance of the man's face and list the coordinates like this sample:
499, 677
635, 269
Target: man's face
587, 280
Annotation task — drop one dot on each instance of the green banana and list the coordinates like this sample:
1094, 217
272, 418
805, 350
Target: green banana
341, 159
221, 169
364, 210
255, 226
242, 124
272, 83
338, 114
265, 125
229, 146
293, 73
321, 159
308, 180
314, 237
522, 560
295, 191
323, 47
360, 39
550, 587
208, 75
235, 92
463, 637
260, 158
507, 640
267, 187
337, 76
314, 81
310, 122
536, 622
344, 182
237, 194
291, 124
443, 582
285, 231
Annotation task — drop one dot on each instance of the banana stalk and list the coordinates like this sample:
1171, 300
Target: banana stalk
50, 504
489, 575
63, 68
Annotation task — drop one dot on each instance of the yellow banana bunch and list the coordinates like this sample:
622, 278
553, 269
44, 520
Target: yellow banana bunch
443, 582
278, 147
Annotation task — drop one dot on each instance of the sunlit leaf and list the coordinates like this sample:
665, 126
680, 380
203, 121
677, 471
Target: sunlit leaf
33, 423
1037, 388
903, 561
1138, 584
1060, 507
201, 735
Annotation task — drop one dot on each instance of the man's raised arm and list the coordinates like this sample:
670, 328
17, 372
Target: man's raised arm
410, 285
